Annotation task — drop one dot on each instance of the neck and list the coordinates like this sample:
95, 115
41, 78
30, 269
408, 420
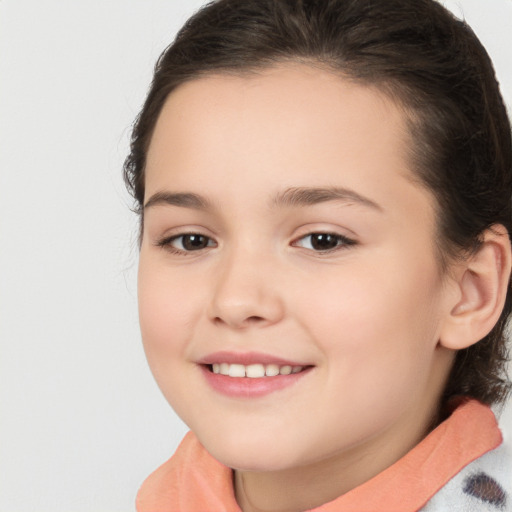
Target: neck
309, 486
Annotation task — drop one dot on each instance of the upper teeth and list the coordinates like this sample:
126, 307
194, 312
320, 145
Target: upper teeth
254, 370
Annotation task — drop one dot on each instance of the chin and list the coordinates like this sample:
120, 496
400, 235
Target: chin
251, 454
253, 462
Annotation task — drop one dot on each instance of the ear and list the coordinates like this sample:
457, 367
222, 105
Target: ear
481, 283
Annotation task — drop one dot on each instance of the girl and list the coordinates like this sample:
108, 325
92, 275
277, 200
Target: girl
324, 193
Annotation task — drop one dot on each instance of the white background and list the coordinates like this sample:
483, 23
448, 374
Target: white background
82, 422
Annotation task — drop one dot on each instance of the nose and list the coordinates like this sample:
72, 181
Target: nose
246, 292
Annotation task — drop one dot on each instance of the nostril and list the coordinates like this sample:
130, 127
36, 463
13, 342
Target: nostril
254, 319
251, 320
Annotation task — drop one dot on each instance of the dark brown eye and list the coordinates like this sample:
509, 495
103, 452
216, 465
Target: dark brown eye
194, 242
188, 242
324, 242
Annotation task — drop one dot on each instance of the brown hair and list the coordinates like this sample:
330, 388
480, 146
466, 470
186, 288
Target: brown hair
428, 61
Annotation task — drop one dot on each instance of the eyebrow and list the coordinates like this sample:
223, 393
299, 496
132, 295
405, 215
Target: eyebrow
295, 196
305, 196
183, 199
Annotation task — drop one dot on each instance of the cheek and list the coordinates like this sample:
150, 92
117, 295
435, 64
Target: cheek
165, 313
378, 338
376, 320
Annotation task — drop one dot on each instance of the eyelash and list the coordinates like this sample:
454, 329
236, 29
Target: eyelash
342, 242
166, 243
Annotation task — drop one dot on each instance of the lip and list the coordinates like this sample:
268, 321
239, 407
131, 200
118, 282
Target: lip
246, 387
247, 358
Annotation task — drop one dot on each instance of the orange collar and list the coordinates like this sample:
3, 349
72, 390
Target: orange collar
193, 481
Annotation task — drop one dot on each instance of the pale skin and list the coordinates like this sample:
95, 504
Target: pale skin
373, 315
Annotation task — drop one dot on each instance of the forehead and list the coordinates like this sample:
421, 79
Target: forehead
294, 100
286, 126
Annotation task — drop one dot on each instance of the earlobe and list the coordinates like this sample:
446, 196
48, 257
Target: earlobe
482, 282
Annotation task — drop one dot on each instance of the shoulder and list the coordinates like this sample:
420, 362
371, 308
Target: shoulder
189, 481
162, 484
481, 486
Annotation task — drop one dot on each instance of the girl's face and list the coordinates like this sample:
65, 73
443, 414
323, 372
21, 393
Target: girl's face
283, 231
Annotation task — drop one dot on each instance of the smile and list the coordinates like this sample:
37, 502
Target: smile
250, 374
254, 371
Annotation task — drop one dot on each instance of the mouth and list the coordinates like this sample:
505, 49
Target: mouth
254, 371
250, 375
